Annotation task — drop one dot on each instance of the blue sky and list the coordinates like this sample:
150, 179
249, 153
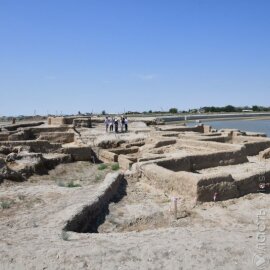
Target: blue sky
90, 55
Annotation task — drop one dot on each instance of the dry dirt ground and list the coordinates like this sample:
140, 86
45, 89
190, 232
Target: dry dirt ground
139, 232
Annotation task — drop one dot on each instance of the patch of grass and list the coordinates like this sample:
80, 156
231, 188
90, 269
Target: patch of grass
64, 235
6, 204
102, 167
165, 200
98, 177
70, 184
115, 166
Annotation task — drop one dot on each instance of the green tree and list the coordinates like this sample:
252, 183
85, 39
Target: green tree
229, 108
173, 110
255, 108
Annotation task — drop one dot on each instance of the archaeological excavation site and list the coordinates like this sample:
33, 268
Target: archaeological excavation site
66, 178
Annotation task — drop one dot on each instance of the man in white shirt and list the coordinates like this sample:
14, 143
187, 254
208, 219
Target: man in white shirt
107, 123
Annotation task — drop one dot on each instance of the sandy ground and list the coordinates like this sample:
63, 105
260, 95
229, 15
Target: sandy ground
139, 232
137, 131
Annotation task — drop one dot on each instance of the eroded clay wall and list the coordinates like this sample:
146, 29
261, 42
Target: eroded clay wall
35, 146
87, 218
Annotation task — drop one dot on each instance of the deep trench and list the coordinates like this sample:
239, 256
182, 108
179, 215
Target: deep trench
92, 216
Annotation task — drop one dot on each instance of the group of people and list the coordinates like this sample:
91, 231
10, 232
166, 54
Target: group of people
113, 124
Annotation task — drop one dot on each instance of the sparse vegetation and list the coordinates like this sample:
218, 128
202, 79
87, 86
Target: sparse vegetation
102, 167
115, 166
98, 177
6, 204
65, 235
70, 184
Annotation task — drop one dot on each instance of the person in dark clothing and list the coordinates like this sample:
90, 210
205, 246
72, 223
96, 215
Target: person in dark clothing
126, 124
116, 125
122, 123
111, 124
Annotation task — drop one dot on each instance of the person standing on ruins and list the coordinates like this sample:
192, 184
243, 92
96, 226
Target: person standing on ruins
116, 123
107, 123
122, 123
111, 124
126, 124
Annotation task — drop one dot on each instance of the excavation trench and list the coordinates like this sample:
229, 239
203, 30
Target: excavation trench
91, 216
124, 206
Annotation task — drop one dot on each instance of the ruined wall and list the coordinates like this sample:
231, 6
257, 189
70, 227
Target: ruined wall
4, 136
125, 151
107, 156
35, 146
220, 183
265, 154
253, 145
199, 162
176, 164
84, 120
79, 153
201, 187
199, 128
203, 161
112, 155
56, 121
86, 218
221, 139
57, 137
249, 182
182, 183
22, 125
37, 130
124, 162
216, 146
207, 129
21, 135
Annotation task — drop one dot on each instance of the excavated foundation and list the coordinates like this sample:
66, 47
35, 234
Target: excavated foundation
93, 213
195, 163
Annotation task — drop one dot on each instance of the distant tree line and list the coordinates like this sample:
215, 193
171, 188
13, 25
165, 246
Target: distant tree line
230, 108
211, 109
173, 110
